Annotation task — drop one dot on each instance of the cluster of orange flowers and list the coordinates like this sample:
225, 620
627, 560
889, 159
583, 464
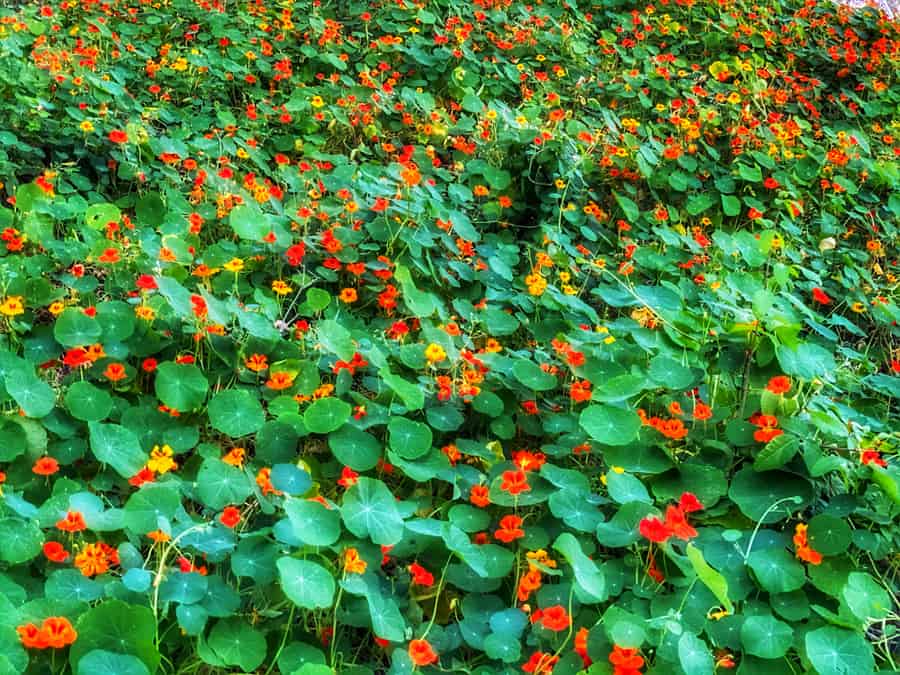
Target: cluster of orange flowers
55, 632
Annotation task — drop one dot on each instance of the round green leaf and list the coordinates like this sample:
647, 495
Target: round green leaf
22, 540
829, 535
13, 441
609, 424
355, 448
370, 510
306, 584
326, 415
33, 395
757, 494
409, 439
835, 651
102, 662
98, 215
530, 374
313, 523
220, 484
235, 413
72, 585
117, 627
149, 505
184, 588
766, 637
117, 446
237, 644
865, 597
667, 372
181, 386
777, 570
74, 328
87, 402
776, 453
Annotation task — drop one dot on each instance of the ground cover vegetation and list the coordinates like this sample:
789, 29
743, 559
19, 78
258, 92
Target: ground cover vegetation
477, 336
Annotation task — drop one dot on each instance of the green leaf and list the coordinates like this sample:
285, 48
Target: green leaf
237, 644
835, 651
313, 523
766, 637
71, 584
731, 205
117, 627
609, 424
150, 209
181, 386
412, 395
409, 439
773, 494
22, 540
98, 215
531, 375
235, 413
629, 208
752, 174
117, 446
370, 511
776, 570
183, 588
33, 395
326, 415
699, 203
355, 448
306, 584
829, 535
776, 453
865, 597
87, 402
694, 655
102, 662
588, 576
74, 328
220, 484
668, 373
150, 505
712, 579
248, 222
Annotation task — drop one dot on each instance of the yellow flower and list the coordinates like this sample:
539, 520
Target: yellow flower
161, 459
144, 312
435, 353
353, 564
12, 306
234, 265
316, 102
281, 287
56, 308
86, 126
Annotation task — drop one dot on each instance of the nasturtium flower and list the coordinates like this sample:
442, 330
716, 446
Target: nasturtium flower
434, 353
353, 564
55, 552
72, 522
12, 306
421, 653
802, 549
514, 482
230, 516
161, 459
555, 618
280, 380
780, 384
93, 560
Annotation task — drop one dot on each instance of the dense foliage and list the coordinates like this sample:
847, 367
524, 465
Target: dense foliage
473, 337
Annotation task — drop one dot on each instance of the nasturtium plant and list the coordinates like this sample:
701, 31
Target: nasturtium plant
482, 337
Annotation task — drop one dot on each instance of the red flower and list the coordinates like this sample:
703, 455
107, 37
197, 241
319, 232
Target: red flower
118, 136
771, 183
654, 529
230, 517
421, 653
555, 618
869, 456
145, 475
295, 254
478, 495
780, 384
514, 482
626, 661
55, 552
689, 503
540, 663
348, 477
115, 372
45, 466
820, 296
146, 282
421, 576
509, 529
149, 365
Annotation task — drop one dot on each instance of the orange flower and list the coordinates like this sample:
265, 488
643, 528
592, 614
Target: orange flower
411, 176
421, 653
58, 632
348, 295
45, 466
803, 550
73, 522
115, 372
530, 582
509, 529
479, 496
264, 481
256, 362
580, 391
514, 482
353, 564
626, 661
118, 136
780, 384
230, 517
555, 618
32, 637
235, 457
92, 560
702, 411
279, 381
